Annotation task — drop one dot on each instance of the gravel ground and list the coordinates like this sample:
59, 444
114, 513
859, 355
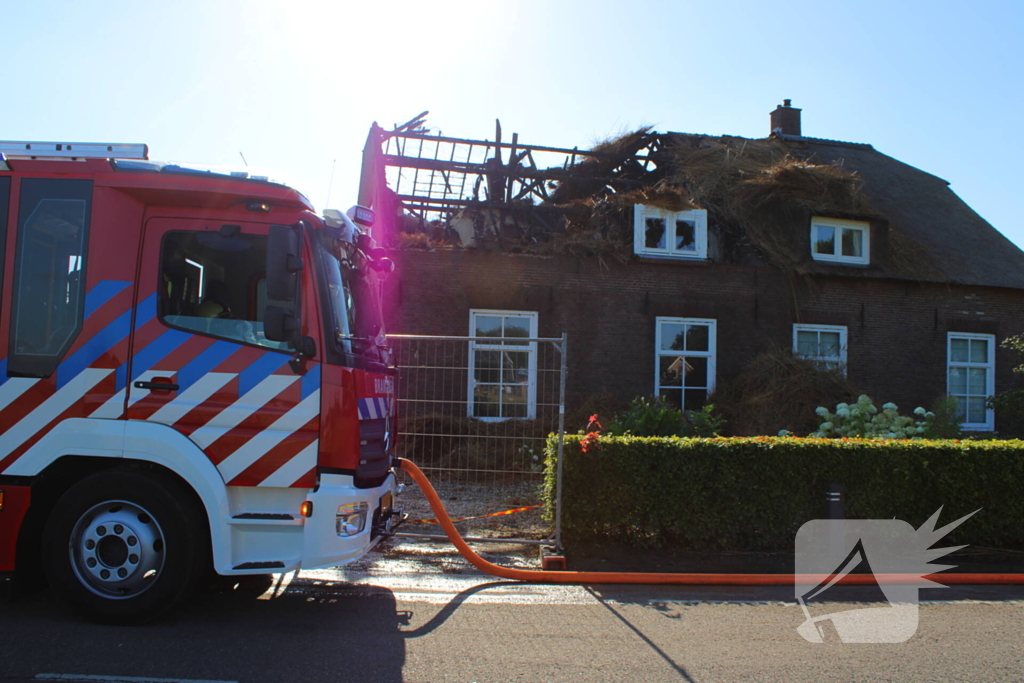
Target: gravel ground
472, 500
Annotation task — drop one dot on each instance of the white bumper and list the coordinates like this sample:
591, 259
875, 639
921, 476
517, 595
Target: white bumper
323, 545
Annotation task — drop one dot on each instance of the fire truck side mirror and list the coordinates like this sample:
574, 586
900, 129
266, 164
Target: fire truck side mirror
280, 325
384, 266
284, 261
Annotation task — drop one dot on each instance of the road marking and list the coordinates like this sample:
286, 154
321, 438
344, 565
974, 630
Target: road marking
123, 679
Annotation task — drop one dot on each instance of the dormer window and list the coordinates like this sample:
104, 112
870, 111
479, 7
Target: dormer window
670, 234
840, 241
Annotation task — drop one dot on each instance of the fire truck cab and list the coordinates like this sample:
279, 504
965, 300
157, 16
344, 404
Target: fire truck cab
193, 375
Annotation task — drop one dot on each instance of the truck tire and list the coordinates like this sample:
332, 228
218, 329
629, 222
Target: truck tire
125, 547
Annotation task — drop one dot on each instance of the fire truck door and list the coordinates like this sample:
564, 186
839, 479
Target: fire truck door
66, 309
200, 360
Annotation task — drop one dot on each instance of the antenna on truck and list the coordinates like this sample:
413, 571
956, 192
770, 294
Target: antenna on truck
330, 185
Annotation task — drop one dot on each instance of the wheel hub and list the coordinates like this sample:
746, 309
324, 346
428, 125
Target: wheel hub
117, 549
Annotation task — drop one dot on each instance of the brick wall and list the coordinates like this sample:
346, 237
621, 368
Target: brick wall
896, 329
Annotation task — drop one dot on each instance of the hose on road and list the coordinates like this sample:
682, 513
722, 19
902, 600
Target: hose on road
682, 579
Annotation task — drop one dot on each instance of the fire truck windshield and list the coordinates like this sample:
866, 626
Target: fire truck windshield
354, 309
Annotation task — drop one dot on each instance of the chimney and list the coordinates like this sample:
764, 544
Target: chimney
786, 119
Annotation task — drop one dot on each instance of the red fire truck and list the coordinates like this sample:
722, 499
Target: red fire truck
193, 376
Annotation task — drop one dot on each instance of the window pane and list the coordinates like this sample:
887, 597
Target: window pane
696, 372
515, 410
487, 326
486, 401
515, 393
979, 351
208, 280
824, 239
694, 399
673, 396
513, 401
829, 344
961, 408
515, 366
957, 381
853, 242
654, 237
958, 350
807, 343
50, 261
517, 327
686, 236
5, 193
671, 370
976, 381
673, 337
976, 410
697, 338
487, 366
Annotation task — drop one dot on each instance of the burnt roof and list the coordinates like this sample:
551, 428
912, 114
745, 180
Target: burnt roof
760, 193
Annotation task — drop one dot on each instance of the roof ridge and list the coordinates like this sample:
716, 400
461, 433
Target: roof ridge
826, 141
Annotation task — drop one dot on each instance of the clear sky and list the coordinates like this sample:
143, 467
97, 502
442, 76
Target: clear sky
295, 85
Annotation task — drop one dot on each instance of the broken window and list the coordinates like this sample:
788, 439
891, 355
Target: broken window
672, 234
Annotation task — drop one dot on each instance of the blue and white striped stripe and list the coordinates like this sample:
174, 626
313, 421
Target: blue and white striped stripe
373, 408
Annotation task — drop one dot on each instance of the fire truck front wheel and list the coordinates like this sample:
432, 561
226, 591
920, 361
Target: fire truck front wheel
125, 547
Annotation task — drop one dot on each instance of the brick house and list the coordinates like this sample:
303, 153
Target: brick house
671, 260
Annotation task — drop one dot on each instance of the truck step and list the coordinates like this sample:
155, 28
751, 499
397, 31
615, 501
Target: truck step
266, 518
260, 565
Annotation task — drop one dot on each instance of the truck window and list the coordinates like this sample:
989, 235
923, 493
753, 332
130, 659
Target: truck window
214, 284
5, 195
353, 306
49, 273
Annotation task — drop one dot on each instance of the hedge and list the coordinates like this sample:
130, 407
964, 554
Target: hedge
754, 493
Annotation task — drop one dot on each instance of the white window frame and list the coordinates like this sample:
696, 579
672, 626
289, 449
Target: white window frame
839, 359
526, 347
641, 212
711, 354
839, 226
990, 375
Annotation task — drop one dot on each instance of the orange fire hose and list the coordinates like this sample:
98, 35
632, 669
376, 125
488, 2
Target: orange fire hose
683, 579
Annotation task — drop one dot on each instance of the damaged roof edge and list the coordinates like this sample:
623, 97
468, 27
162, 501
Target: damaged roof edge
737, 177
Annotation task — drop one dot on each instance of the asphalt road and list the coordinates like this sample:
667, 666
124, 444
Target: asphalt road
436, 621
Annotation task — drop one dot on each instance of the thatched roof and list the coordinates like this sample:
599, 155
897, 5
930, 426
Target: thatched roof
760, 193
922, 209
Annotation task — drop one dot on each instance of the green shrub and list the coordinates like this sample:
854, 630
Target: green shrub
946, 423
654, 416
754, 493
863, 419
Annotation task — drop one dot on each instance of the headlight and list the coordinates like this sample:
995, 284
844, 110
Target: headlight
351, 518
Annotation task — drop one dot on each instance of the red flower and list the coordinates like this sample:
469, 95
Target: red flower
590, 439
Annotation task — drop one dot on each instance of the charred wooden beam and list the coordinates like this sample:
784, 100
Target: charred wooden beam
523, 172
508, 145
439, 205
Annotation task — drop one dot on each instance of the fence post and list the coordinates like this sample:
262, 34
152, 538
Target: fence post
561, 438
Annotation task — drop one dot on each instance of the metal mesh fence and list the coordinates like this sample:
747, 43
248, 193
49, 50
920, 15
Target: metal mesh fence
474, 413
